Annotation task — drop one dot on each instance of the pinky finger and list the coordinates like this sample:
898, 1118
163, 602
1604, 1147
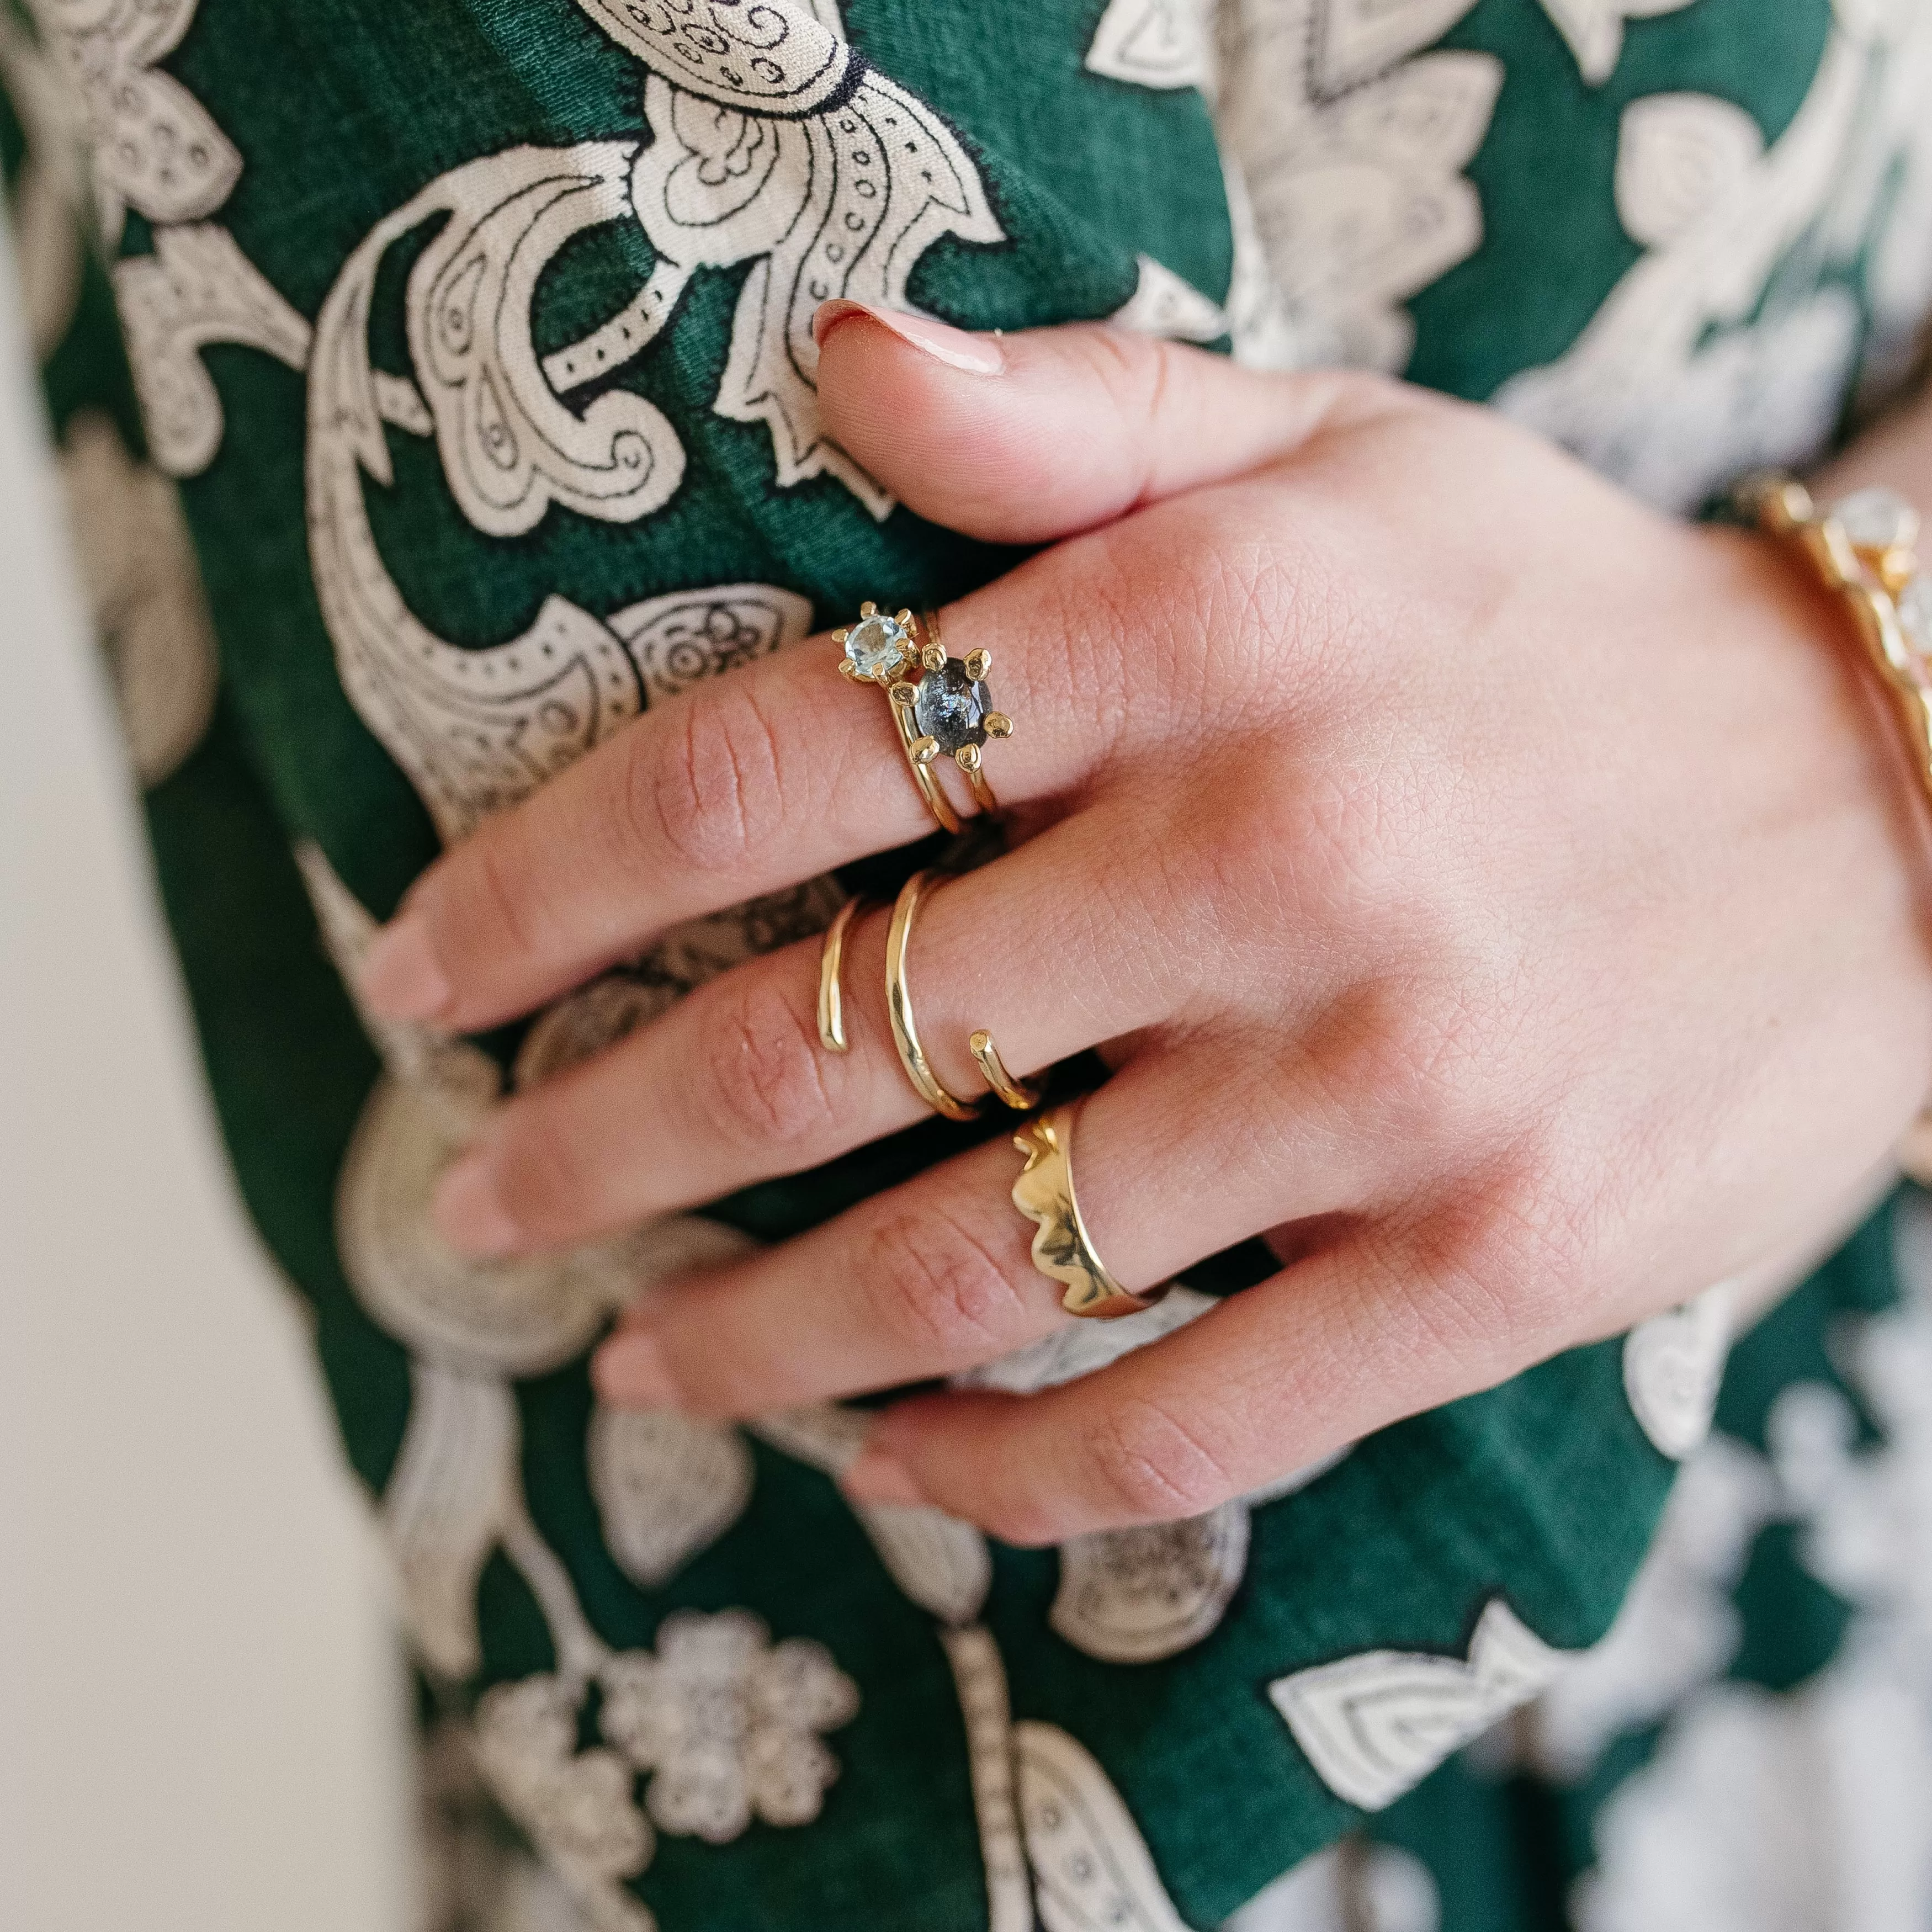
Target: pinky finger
1267, 1382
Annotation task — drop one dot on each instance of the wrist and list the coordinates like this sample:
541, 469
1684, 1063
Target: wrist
1852, 584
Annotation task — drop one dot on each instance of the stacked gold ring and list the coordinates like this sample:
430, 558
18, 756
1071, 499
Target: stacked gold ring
949, 711
898, 1004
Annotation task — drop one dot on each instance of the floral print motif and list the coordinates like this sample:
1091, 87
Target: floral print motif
728, 1723
576, 1805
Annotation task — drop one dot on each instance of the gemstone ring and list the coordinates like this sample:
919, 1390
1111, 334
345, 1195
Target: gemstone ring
948, 711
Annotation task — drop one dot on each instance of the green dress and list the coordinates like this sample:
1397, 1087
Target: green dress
434, 386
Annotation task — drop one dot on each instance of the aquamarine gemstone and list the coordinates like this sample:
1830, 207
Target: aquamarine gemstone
878, 646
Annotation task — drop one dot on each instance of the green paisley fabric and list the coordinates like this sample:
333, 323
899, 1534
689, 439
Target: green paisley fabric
433, 387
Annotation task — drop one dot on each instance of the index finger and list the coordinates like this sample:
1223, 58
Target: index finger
744, 785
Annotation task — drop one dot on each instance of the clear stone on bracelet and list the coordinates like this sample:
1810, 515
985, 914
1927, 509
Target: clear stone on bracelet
1914, 612
878, 646
951, 707
1877, 520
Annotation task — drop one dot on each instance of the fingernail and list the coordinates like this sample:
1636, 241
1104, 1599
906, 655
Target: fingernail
873, 1477
977, 355
469, 1215
629, 1371
400, 979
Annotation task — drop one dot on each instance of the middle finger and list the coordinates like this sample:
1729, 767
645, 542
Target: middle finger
1055, 948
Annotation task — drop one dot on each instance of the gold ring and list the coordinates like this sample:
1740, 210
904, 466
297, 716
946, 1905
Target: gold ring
878, 649
1016, 1093
1044, 1193
952, 711
947, 711
898, 1004
831, 993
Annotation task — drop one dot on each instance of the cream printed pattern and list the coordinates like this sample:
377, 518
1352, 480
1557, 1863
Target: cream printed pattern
776, 152
1703, 363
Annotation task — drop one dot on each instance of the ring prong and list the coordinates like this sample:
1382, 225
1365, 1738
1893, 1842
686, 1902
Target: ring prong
998, 725
968, 758
848, 669
839, 637
933, 658
904, 693
868, 609
924, 750
902, 618
978, 663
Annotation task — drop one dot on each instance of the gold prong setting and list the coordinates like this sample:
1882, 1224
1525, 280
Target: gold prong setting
940, 704
878, 648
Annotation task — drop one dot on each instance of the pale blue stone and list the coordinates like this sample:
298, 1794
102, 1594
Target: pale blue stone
878, 646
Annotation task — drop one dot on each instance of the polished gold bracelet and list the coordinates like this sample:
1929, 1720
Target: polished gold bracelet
1865, 549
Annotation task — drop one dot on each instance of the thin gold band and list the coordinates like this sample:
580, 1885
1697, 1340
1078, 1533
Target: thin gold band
923, 776
898, 1003
831, 992
886, 658
968, 759
1061, 1249
1016, 1093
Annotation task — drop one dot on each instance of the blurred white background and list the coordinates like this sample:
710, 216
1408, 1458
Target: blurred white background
201, 1716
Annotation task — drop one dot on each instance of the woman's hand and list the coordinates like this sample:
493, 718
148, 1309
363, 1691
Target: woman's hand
1498, 892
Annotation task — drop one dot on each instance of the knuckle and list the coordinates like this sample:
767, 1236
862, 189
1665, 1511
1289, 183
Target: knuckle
493, 900
762, 1082
932, 1281
1150, 1467
1499, 1280
710, 791
542, 1175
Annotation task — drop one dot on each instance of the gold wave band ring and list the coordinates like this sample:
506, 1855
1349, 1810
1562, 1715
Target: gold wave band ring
1062, 1248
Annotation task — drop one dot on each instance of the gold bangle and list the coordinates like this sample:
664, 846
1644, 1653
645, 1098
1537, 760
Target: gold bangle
1865, 550
1061, 1248
1016, 1093
898, 1004
831, 991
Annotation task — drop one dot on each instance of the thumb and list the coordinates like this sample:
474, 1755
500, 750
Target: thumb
1034, 435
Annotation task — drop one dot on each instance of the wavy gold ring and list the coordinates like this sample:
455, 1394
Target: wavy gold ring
831, 991
898, 1003
1061, 1249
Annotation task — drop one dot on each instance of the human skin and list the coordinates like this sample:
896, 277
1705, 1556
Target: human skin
1510, 900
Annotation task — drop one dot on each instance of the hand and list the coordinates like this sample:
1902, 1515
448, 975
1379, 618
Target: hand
1499, 892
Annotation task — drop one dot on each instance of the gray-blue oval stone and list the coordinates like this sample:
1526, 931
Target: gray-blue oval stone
951, 708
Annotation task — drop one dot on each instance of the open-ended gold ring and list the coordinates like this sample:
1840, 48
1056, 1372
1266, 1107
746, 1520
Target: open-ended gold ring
948, 711
898, 1004
831, 989
1016, 1093
1061, 1249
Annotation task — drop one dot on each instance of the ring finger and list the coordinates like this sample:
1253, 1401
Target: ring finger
734, 1085
937, 1275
